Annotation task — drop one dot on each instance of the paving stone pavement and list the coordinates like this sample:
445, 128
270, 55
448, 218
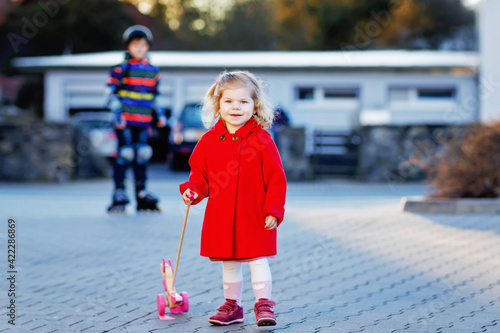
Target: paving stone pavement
349, 260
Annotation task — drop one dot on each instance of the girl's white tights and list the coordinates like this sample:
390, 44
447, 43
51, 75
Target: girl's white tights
233, 279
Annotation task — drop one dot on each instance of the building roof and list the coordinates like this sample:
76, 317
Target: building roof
271, 59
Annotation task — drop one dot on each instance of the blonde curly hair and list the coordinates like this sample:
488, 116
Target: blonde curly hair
264, 113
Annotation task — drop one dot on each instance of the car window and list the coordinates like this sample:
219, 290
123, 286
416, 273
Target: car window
191, 116
95, 123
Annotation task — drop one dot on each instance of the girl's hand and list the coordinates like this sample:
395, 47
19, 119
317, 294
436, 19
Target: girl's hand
189, 196
271, 222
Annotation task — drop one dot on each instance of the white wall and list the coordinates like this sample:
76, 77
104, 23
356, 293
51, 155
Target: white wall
489, 44
343, 115
67, 89
73, 89
54, 97
374, 96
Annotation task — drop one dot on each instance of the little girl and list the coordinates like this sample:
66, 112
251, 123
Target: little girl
237, 165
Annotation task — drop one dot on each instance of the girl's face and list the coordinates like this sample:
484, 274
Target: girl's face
236, 107
138, 48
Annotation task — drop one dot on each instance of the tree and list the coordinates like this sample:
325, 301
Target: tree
50, 27
44, 28
400, 26
47, 27
428, 24
448, 18
321, 25
297, 22
249, 25
369, 24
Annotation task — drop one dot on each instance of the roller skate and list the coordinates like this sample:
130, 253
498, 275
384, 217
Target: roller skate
120, 200
146, 201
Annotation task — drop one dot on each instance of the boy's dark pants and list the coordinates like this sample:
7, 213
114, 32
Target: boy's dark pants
130, 141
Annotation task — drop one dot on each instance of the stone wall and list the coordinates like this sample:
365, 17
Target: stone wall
291, 145
397, 153
32, 150
36, 151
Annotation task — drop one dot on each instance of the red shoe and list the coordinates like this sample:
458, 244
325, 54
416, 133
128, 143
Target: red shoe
228, 313
264, 312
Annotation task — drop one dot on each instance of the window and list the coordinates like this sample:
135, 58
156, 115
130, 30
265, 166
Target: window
305, 94
421, 94
329, 95
436, 93
332, 93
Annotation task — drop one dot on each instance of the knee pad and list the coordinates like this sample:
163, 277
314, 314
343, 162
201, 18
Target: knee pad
144, 153
126, 155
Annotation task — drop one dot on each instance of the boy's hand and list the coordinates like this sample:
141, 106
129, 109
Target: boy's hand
122, 124
189, 196
162, 122
271, 222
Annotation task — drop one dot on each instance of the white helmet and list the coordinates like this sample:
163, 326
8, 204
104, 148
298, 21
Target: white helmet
137, 31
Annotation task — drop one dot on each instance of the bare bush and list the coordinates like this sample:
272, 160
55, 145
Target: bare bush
469, 165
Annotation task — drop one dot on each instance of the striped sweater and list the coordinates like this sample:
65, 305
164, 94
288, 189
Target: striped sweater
135, 84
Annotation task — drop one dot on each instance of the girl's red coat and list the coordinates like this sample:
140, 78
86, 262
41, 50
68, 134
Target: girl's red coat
243, 178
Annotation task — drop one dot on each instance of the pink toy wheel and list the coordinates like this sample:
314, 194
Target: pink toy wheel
160, 304
185, 302
177, 309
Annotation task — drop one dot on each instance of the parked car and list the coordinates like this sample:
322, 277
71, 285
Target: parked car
98, 128
159, 139
95, 142
186, 132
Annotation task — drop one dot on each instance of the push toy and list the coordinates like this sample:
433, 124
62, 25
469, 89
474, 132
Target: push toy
177, 303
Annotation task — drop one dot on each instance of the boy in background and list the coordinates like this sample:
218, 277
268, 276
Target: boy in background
134, 87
